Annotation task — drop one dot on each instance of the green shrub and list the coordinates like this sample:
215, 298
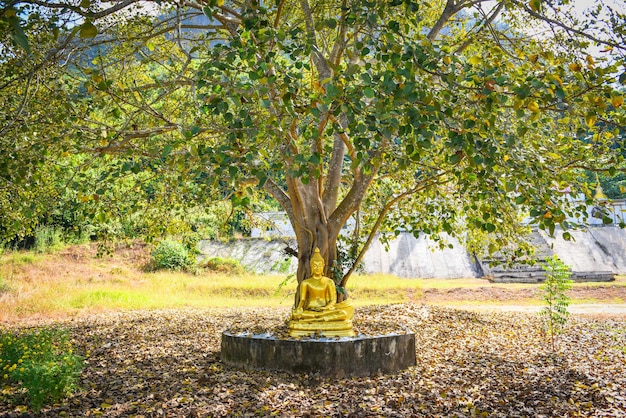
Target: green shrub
223, 265
171, 255
41, 362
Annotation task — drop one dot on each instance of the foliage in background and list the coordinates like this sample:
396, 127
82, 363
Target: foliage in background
171, 255
557, 283
40, 361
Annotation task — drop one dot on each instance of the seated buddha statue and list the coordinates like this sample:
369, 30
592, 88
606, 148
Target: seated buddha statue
317, 311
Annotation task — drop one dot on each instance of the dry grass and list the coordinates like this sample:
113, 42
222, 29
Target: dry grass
74, 282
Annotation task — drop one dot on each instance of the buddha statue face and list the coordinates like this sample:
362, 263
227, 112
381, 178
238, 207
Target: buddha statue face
317, 267
317, 262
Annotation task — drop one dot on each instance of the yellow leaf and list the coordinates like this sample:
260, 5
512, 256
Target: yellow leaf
590, 120
533, 58
220, 3
447, 60
617, 101
575, 67
533, 107
475, 60
590, 60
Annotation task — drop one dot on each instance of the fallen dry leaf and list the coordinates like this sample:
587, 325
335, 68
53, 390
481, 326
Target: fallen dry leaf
166, 363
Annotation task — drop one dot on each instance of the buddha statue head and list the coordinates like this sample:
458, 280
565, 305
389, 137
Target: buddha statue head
317, 262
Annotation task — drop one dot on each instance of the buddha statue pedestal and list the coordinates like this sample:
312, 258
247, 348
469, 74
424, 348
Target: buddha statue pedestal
326, 329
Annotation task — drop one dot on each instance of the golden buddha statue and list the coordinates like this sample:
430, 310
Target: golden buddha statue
317, 311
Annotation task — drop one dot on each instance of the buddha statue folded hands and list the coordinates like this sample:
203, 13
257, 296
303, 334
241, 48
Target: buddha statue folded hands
317, 310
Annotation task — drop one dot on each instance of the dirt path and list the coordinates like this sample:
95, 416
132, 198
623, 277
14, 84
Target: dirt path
617, 310
613, 294
608, 300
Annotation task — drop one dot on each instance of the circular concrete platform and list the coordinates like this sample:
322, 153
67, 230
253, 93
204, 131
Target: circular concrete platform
336, 357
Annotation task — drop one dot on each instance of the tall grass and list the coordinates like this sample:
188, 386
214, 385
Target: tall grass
48, 238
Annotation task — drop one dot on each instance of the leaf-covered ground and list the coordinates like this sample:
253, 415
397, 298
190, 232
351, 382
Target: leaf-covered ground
166, 363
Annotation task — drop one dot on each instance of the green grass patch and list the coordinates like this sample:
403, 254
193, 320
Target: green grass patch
22, 258
48, 238
107, 298
171, 290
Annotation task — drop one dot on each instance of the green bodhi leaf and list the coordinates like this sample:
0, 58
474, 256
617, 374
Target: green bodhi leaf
88, 30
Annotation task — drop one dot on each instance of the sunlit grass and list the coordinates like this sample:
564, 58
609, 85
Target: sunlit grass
101, 287
50, 286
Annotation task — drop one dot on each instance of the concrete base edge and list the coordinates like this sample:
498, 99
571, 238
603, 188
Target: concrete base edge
340, 357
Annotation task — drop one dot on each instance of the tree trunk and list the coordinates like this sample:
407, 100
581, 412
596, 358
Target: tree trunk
309, 220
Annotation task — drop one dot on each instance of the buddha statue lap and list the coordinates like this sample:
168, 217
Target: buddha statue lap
317, 311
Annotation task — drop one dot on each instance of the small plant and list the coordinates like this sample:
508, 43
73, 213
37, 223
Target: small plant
223, 265
282, 266
41, 362
557, 283
290, 278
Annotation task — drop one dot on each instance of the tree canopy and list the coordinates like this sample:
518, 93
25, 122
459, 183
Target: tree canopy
406, 115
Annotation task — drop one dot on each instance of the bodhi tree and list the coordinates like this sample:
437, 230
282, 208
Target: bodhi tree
435, 117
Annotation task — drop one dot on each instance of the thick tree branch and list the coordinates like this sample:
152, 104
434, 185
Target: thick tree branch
450, 10
340, 44
321, 64
333, 178
281, 197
